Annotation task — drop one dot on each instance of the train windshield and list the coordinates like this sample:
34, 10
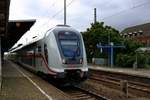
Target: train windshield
70, 44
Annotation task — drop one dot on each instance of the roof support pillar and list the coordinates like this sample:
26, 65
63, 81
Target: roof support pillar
0, 66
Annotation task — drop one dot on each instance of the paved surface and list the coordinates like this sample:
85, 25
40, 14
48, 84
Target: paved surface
140, 72
19, 84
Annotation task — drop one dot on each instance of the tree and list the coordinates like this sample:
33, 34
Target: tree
127, 57
98, 33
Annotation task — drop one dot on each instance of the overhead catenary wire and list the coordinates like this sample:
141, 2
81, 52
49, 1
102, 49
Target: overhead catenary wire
57, 13
134, 7
52, 5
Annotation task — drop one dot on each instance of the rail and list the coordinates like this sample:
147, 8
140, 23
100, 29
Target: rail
129, 84
78, 93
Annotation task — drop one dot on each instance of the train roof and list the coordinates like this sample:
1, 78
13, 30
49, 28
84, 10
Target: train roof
20, 46
66, 27
37, 38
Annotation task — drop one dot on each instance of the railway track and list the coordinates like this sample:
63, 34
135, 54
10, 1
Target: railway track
74, 92
77, 93
134, 85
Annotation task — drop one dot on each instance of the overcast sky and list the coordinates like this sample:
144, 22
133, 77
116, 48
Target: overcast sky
116, 13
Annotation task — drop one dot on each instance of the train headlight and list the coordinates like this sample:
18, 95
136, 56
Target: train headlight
63, 61
81, 61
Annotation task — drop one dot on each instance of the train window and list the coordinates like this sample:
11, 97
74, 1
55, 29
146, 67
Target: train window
70, 43
46, 52
70, 48
67, 35
39, 48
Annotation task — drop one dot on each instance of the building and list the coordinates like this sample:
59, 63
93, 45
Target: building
140, 33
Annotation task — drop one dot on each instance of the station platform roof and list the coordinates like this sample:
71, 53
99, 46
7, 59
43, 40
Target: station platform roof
15, 29
4, 15
11, 31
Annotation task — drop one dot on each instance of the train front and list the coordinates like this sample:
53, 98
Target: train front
73, 55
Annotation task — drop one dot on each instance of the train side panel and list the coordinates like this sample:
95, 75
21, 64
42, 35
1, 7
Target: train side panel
84, 57
39, 59
54, 59
26, 57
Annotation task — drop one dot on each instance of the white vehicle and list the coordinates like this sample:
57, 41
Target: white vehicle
60, 54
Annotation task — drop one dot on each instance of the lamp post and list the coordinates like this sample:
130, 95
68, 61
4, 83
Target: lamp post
109, 38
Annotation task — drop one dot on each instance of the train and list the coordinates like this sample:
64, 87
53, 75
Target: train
59, 54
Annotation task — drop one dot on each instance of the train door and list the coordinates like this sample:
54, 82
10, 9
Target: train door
46, 53
38, 58
34, 57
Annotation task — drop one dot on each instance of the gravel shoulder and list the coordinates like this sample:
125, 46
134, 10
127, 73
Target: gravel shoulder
108, 92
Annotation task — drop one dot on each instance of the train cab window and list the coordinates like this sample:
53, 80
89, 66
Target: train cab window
70, 43
39, 48
46, 52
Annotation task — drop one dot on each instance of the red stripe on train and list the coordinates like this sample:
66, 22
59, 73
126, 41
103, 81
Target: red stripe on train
50, 71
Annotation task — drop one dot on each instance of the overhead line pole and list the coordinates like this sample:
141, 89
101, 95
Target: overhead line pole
95, 15
64, 12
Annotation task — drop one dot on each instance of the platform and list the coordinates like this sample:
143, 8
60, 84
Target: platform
19, 84
138, 72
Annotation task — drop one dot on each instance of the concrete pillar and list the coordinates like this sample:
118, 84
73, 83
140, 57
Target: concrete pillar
0, 66
124, 87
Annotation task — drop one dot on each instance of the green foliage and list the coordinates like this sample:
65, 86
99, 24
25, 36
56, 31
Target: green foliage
98, 33
131, 46
125, 60
143, 60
